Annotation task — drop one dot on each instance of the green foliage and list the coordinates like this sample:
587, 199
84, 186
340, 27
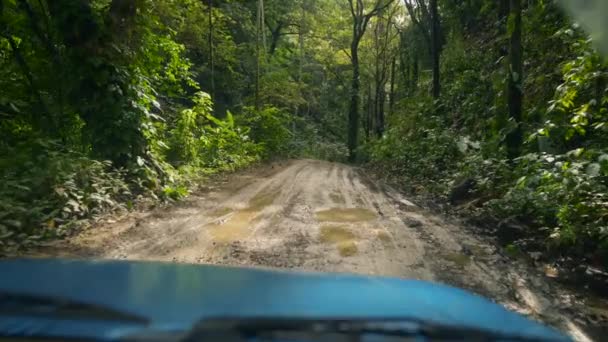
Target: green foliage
418, 147
565, 195
45, 187
558, 186
186, 133
579, 109
309, 142
226, 146
269, 129
175, 192
103, 104
199, 139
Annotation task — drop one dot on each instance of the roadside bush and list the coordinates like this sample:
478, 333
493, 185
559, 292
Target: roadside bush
226, 146
558, 186
423, 151
268, 127
565, 197
44, 187
200, 140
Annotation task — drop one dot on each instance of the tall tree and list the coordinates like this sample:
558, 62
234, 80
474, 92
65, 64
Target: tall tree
391, 98
515, 77
503, 15
259, 32
360, 20
383, 52
435, 47
424, 14
420, 17
211, 47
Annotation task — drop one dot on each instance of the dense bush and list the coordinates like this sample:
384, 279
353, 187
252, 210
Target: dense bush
565, 195
44, 187
101, 105
202, 140
269, 127
558, 186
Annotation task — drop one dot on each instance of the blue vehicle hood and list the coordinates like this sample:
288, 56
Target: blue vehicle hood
176, 296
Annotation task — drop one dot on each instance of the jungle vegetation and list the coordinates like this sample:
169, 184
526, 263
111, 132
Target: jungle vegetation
498, 107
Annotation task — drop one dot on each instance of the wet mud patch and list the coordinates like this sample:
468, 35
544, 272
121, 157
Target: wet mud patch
345, 215
347, 248
236, 227
263, 199
341, 237
335, 234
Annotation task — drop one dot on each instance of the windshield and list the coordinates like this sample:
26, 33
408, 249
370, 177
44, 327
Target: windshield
351, 142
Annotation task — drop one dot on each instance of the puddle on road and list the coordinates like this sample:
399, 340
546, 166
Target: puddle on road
235, 228
347, 248
238, 225
335, 234
340, 236
345, 215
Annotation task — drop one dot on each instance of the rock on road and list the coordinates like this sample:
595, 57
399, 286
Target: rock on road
319, 216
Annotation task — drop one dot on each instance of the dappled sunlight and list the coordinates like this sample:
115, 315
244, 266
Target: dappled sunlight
457, 142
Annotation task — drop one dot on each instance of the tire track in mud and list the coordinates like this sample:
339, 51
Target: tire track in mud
313, 215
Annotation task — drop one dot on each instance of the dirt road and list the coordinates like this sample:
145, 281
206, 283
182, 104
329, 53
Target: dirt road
320, 216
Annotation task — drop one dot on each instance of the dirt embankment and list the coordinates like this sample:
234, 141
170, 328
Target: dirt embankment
320, 216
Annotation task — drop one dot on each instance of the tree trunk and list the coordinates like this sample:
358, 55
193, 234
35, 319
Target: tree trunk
301, 50
378, 78
391, 101
503, 9
353, 112
211, 52
435, 48
415, 74
257, 55
503, 15
360, 21
380, 99
275, 35
369, 112
514, 138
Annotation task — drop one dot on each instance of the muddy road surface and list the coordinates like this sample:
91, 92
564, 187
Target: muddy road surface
319, 216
